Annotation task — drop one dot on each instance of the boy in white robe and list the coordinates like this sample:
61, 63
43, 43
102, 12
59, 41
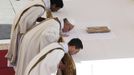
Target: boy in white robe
36, 39
47, 61
26, 20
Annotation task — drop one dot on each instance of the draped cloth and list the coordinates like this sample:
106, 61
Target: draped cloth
36, 39
24, 21
70, 65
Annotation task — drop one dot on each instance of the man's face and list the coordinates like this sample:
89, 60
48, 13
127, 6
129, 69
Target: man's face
73, 50
54, 8
67, 27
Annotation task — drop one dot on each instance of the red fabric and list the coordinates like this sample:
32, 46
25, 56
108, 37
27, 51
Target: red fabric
4, 70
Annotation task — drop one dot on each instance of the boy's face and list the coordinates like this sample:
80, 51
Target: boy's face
54, 8
73, 50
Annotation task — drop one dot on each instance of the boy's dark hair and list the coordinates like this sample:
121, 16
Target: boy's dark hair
76, 42
59, 3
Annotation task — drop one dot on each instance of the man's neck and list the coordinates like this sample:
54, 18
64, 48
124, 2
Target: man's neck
65, 46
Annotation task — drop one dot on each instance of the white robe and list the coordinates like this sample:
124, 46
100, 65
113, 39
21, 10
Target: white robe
34, 40
20, 27
49, 64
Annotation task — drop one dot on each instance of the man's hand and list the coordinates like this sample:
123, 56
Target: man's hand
62, 66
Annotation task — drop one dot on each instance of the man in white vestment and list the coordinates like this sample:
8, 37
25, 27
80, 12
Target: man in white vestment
34, 40
26, 20
48, 60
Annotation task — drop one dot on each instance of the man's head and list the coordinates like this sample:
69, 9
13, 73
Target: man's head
55, 5
75, 45
67, 25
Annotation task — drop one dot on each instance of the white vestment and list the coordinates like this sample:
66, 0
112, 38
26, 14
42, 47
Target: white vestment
24, 21
48, 65
36, 39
